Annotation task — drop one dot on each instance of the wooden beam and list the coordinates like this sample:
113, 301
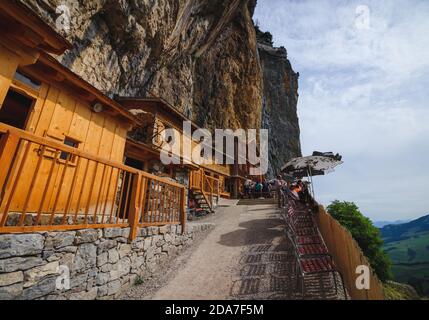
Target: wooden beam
25, 54
9, 63
50, 73
8, 144
111, 112
23, 35
77, 81
47, 74
135, 205
183, 216
79, 93
17, 13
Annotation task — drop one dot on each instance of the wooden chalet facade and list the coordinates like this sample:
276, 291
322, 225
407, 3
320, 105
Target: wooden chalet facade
69, 157
144, 144
62, 143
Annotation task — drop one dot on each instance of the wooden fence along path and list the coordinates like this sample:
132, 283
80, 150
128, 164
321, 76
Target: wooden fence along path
348, 257
47, 186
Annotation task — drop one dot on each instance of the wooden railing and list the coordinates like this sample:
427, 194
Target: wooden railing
196, 179
211, 185
207, 185
45, 185
348, 257
211, 189
222, 191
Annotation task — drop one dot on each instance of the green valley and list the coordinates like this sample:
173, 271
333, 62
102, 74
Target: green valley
408, 247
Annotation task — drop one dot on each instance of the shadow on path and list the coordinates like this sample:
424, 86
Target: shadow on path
267, 267
253, 232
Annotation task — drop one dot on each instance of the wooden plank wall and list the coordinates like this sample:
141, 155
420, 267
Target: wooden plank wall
56, 115
348, 256
224, 169
8, 64
159, 126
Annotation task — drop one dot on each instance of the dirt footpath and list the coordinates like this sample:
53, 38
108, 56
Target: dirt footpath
245, 257
213, 268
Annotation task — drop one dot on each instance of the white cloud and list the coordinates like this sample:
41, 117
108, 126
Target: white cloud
326, 35
363, 93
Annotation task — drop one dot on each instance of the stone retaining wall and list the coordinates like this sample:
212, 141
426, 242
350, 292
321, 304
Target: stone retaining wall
87, 264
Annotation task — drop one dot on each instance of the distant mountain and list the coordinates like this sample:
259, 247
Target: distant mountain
407, 245
381, 224
404, 231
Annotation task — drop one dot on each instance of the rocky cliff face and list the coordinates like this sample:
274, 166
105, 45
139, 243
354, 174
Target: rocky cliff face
280, 99
199, 55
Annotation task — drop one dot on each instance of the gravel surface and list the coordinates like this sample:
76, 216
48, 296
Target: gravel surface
245, 257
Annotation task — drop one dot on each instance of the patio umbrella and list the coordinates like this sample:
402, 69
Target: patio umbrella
317, 165
311, 166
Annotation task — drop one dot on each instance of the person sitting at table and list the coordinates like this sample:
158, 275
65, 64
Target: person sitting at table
303, 193
295, 189
256, 190
266, 188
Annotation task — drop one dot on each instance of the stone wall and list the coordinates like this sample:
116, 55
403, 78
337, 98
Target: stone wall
87, 264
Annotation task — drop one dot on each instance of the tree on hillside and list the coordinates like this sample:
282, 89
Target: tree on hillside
366, 235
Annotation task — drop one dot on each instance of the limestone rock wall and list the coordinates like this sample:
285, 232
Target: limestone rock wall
199, 55
99, 264
280, 100
202, 56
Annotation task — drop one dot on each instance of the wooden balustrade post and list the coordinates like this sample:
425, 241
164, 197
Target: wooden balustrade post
8, 145
183, 216
135, 205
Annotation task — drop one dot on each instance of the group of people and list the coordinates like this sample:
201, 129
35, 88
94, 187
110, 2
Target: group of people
280, 187
298, 190
256, 189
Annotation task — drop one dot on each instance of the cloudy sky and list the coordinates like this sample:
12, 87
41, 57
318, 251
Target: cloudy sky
364, 92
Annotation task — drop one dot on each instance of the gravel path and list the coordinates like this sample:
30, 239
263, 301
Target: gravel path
246, 256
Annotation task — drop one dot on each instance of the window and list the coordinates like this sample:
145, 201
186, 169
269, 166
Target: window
33, 84
133, 163
16, 109
71, 143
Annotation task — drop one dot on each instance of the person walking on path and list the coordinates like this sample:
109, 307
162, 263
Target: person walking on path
278, 188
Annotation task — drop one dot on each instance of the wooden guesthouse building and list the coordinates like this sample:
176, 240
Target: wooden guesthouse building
69, 156
207, 181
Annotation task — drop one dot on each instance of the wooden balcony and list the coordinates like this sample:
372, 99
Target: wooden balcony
46, 185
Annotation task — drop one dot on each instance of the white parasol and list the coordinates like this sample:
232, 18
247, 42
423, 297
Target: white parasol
316, 164
312, 166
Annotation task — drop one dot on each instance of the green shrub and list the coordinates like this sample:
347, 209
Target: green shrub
366, 235
399, 291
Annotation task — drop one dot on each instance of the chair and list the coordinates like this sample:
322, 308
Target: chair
312, 255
